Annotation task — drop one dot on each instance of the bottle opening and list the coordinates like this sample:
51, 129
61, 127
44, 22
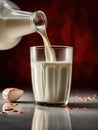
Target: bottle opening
40, 18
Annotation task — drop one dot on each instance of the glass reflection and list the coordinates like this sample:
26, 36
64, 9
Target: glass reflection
47, 118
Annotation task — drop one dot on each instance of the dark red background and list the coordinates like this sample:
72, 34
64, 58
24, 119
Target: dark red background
70, 22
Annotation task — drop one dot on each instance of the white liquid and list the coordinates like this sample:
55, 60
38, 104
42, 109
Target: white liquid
11, 29
51, 81
49, 52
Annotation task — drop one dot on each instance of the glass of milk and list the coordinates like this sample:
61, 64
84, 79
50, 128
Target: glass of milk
51, 79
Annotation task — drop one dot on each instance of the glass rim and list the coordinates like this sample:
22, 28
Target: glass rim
54, 46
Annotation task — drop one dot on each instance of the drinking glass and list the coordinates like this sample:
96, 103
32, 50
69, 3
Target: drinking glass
51, 79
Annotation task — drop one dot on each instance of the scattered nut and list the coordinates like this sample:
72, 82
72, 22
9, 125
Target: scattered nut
12, 94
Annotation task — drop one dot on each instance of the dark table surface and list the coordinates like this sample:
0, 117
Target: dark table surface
80, 114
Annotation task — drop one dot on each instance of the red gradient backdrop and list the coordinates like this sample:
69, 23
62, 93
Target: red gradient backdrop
70, 22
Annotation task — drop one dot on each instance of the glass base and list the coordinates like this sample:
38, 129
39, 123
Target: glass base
51, 104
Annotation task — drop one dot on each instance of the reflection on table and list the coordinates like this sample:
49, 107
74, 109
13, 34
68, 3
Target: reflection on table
47, 118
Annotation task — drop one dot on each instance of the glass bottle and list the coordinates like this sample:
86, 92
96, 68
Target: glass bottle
15, 23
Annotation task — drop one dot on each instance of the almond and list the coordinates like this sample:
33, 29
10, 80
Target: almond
12, 94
